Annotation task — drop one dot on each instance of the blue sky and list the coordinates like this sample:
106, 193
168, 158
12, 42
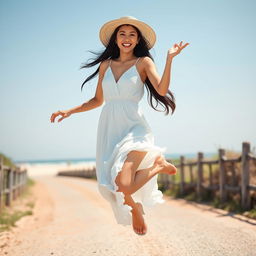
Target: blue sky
44, 43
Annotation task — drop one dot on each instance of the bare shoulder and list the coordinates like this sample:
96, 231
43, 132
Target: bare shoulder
99, 91
103, 66
146, 62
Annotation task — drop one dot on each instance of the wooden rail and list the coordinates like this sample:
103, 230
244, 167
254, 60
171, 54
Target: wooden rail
223, 185
194, 171
12, 183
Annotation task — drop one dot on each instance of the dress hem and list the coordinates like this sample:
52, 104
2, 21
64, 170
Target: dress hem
123, 211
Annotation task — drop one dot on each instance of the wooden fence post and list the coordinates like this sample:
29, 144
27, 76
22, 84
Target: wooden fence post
222, 176
182, 161
199, 174
18, 182
9, 186
210, 175
191, 174
14, 182
245, 176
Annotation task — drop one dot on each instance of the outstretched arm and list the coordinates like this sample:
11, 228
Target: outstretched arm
161, 85
94, 102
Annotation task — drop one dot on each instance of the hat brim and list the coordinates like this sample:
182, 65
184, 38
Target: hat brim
108, 28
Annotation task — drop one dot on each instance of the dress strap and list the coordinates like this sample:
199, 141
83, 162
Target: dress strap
136, 61
109, 62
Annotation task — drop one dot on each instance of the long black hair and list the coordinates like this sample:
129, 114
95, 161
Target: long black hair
112, 51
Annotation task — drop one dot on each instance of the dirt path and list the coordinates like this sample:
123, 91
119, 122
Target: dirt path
71, 218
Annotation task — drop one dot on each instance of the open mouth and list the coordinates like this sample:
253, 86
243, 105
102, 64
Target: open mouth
126, 45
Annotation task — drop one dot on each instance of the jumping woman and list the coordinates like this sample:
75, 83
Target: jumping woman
127, 160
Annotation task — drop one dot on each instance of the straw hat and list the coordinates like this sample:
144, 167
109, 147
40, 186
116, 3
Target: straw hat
108, 28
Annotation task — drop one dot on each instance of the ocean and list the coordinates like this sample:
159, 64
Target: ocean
74, 161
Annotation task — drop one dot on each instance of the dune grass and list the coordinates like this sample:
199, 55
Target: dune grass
20, 207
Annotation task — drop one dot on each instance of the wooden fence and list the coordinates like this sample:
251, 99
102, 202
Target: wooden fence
90, 173
194, 171
223, 185
12, 183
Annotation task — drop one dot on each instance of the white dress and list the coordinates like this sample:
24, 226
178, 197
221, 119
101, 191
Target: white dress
122, 127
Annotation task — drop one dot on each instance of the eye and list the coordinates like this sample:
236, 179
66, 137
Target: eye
124, 34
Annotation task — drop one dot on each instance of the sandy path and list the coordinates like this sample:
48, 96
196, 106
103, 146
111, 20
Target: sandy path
71, 218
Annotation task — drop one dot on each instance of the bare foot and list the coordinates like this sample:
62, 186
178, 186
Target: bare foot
141, 207
164, 166
139, 225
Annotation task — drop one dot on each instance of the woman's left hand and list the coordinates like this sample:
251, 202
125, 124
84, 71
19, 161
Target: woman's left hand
176, 49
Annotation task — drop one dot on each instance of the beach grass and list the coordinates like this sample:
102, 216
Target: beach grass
21, 206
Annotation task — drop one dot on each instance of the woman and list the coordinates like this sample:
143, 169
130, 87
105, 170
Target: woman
127, 160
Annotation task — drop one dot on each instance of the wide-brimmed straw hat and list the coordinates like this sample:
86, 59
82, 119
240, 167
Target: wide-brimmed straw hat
108, 28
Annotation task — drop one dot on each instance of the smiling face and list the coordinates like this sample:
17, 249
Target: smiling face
127, 38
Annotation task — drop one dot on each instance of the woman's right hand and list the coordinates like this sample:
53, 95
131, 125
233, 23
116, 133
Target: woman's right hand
63, 113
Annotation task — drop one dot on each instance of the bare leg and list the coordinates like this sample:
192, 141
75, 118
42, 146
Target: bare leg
139, 224
128, 184
142, 176
124, 179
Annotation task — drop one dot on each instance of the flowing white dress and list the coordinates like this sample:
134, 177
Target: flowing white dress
122, 127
